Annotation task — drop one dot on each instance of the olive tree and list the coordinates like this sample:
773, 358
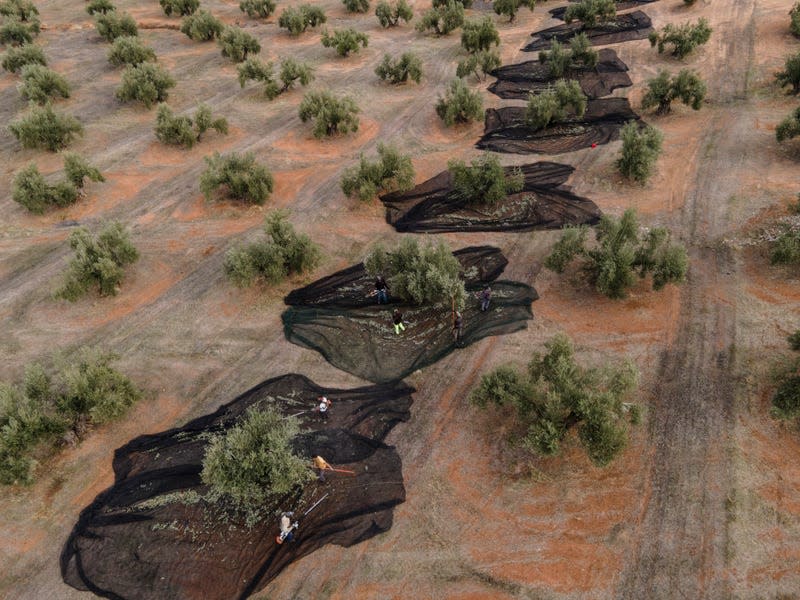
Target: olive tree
31, 190
130, 50
389, 15
240, 176
786, 247
459, 104
790, 74
356, 6
641, 147
686, 86
236, 44
555, 394
43, 128
17, 57
331, 115
480, 64
345, 40
112, 25
591, 12
291, 72
442, 19
99, 6
683, 38
485, 182
479, 35
408, 66
510, 8
147, 82
550, 105
201, 26
789, 127
392, 171
41, 85
257, 8
297, 20
560, 60
794, 16
621, 251
23, 10
186, 131
14, 32
179, 7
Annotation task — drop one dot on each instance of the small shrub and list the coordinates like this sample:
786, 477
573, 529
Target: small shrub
459, 104
640, 150
356, 6
786, 401
686, 86
17, 57
283, 253
480, 64
591, 12
257, 8
179, 7
550, 105
236, 44
291, 71
201, 26
99, 6
392, 171
427, 274
479, 35
40, 84
442, 19
14, 32
297, 20
23, 10
683, 38
112, 25
345, 40
389, 15
511, 7
331, 115
790, 74
44, 128
77, 169
186, 131
241, 176
794, 23
622, 251
408, 66
99, 261
485, 182
147, 83
129, 50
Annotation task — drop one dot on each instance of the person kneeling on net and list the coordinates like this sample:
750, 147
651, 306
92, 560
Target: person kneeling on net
287, 528
399, 323
321, 465
485, 296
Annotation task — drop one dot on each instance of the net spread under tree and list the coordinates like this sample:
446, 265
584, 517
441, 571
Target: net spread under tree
339, 317
630, 26
542, 203
156, 534
558, 13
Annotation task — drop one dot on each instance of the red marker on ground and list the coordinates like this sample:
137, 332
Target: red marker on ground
594, 145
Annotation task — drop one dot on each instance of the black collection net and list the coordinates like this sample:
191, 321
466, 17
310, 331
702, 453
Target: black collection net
630, 26
155, 535
505, 129
544, 203
338, 317
558, 13
518, 81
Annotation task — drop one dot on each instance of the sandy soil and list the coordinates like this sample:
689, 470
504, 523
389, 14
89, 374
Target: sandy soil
705, 502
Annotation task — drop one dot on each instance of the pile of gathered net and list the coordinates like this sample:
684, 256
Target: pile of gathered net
520, 80
338, 317
558, 13
505, 129
631, 26
152, 535
544, 203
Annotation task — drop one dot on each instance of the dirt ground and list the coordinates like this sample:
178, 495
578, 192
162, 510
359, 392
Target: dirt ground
705, 501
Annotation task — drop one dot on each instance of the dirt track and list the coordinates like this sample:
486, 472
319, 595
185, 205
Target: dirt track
706, 501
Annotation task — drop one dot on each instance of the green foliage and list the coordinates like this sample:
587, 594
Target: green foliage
291, 72
408, 66
511, 7
112, 25
99, 6
147, 82
640, 150
556, 394
130, 50
345, 40
686, 86
479, 35
459, 104
179, 7
485, 182
40, 84
550, 105
392, 171
186, 131
43, 128
297, 20
331, 115
428, 274
786, 401
99, 261
794, 340
242, 177
257, 8
481, 64
794, 15
591, 12
356, 6
236, 44
254, 461
622, 250
580, 55
790, 74
442, 19
465, 3
283, 253
683, 38
34, 193
789, 127
786, 248
389, 15
77, 168
35, 413
17, 33
201, 26
23, 10
17, 57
